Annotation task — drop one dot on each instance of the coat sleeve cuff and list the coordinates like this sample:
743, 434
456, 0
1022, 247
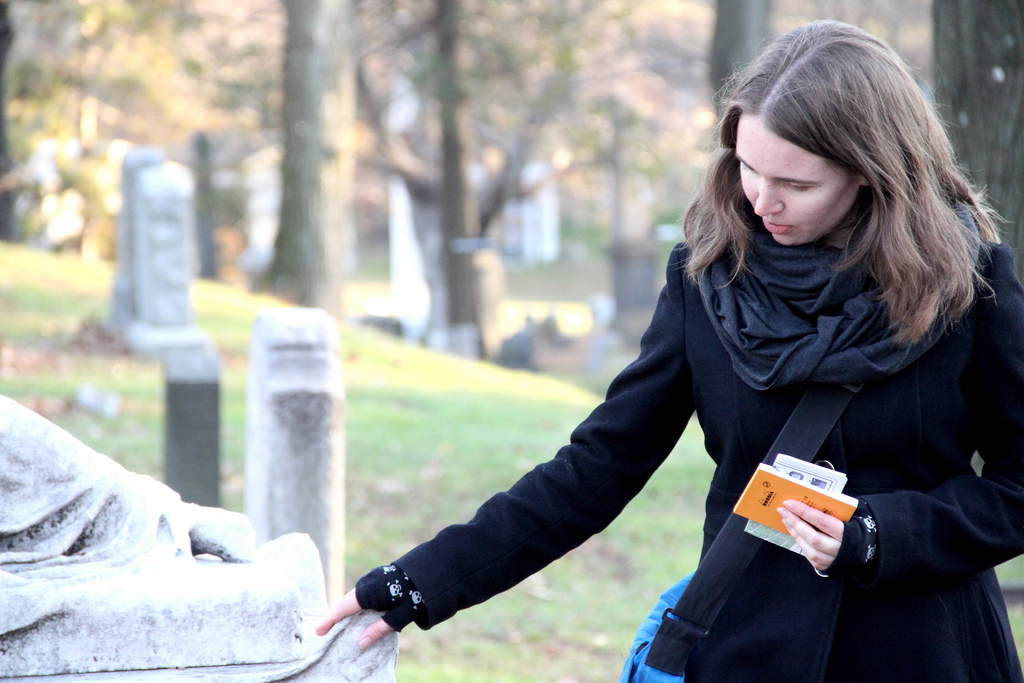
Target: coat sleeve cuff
859, 547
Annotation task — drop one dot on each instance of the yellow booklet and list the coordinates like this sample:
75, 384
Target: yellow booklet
768, 488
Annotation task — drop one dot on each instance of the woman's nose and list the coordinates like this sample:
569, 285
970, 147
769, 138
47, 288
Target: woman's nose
767, 201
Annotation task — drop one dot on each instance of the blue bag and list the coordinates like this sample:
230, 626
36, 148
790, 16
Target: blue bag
636, 669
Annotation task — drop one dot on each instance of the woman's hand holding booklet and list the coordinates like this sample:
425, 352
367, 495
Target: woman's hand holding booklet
791, 479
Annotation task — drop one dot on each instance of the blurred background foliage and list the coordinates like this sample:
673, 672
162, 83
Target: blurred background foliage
84, 73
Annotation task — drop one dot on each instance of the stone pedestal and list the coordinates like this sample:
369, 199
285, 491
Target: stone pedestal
209, 621
195, 614
490, 286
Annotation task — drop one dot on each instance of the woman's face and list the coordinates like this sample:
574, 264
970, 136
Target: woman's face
799, 196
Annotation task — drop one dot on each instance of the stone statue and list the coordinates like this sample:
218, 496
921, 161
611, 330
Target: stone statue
104, 570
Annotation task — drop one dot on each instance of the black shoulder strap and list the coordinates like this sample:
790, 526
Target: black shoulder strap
727, 558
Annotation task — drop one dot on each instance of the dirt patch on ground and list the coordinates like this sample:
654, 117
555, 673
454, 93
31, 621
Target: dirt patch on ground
96, 339
21, 360
50, 407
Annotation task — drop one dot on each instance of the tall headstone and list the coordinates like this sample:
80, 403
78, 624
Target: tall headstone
414, 271
163, 261
262, 172
410, 294
192, 426
530, 224
295, 450
123, 304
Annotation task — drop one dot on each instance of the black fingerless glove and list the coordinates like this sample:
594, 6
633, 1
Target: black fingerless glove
860, 543
389, 590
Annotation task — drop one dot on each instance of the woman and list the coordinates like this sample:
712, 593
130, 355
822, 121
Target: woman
833, 241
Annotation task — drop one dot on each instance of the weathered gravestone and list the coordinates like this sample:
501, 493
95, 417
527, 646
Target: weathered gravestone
530, 229
164, 262
295, 441
410, 294
156, 256
103, 570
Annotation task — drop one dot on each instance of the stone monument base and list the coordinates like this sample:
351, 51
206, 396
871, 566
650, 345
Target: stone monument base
196, 614
336, 658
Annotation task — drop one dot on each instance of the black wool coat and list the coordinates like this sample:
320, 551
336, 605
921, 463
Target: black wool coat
929, 608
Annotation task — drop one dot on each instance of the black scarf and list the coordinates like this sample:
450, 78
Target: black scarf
793, 317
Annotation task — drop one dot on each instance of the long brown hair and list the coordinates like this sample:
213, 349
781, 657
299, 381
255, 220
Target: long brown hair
843, 94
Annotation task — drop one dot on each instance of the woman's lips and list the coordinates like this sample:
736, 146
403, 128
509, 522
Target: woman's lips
776, 229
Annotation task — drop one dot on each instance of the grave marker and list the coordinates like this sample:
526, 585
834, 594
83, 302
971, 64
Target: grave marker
156, 257
123, 304
295, 452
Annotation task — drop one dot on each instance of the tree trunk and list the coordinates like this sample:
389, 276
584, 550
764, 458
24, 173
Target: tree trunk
459, 221
337, 171
307, 253
741, 29
979, 84
8, 182
632, 251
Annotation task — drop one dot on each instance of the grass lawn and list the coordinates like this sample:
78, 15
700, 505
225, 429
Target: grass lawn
429, 437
